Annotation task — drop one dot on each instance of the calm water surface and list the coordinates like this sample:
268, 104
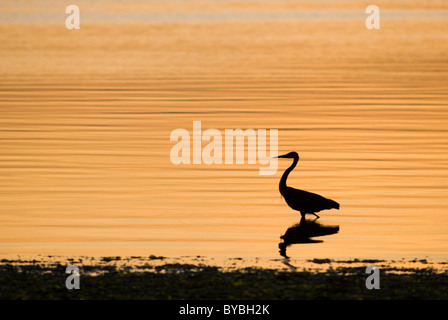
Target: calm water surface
86, 117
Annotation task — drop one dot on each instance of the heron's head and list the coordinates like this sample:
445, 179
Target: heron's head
292, 155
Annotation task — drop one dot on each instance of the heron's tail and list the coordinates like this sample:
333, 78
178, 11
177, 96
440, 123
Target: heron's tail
333, 204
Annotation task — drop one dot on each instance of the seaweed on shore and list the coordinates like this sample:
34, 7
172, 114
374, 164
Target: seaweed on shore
107, 280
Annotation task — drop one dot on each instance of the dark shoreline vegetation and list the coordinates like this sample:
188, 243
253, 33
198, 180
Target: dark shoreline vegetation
159, 278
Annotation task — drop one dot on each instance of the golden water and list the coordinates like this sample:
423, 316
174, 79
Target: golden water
86, 117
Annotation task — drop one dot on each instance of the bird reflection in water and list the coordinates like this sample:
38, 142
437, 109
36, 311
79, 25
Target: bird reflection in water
303, 232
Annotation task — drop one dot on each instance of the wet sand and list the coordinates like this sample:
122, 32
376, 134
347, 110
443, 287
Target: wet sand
200, 278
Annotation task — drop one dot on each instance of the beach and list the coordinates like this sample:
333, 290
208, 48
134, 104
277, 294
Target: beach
200, 278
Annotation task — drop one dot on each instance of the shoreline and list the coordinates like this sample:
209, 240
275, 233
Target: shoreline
198, 278
225, 264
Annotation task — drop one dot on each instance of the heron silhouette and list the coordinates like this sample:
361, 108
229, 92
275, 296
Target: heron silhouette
300, 200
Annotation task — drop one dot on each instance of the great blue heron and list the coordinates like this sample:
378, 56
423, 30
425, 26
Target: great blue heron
300, 200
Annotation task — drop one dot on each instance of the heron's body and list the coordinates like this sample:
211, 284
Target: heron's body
300, 200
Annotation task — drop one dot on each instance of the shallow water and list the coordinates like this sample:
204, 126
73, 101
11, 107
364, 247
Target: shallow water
86, 117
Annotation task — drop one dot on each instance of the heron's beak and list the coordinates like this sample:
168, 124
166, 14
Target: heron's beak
283, 156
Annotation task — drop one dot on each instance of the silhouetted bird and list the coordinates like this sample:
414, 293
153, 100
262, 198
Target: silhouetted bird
303, 201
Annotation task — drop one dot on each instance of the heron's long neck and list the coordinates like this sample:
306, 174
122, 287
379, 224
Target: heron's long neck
286, 173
